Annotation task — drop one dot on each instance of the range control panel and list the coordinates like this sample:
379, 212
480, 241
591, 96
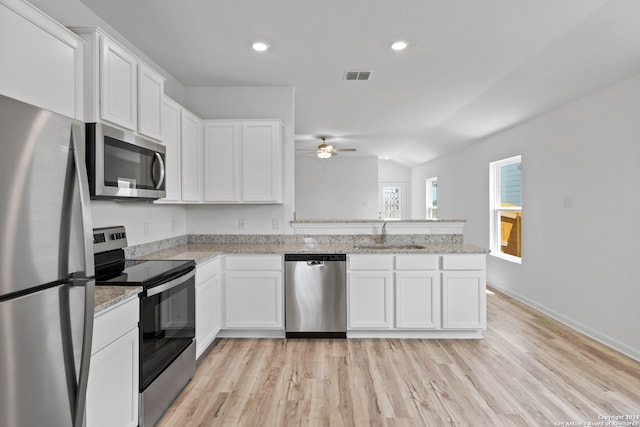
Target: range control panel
109, 238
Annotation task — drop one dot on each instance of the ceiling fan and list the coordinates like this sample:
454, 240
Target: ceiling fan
324, 150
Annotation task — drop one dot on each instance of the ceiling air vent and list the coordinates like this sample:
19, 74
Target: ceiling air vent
357, 75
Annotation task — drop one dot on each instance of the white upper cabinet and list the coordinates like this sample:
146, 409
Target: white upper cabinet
261, 161
41, 60
191, 157
171, 137
150, 100
120, 89
222, 154
118, 77
243, 161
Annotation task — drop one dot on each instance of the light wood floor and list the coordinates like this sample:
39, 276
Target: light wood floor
528, 371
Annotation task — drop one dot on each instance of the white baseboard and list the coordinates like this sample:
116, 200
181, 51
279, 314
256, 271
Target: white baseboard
573, 324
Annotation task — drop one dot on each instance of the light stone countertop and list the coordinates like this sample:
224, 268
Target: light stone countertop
108, 296
201, 252
375, 221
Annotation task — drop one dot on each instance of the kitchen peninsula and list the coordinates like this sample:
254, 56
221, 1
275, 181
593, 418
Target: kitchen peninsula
405, 283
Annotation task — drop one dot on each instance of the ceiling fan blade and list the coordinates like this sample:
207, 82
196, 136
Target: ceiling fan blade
341, 150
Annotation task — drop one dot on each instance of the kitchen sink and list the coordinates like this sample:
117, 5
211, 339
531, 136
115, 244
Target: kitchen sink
388, 247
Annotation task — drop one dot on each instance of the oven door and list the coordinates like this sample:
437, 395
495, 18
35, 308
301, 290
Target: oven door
167, 325
123, 165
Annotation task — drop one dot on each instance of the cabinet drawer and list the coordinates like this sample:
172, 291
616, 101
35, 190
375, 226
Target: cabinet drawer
114, 323
207, 270
463, 262
370, 262
417, 262
254, 262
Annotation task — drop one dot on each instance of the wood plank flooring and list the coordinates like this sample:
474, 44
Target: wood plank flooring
529, 370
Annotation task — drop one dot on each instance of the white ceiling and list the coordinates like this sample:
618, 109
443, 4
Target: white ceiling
473, 67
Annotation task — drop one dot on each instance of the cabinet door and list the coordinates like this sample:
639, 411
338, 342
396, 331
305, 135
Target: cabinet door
191, 158
222, 148
171, 138
261, 162
112, 392
463, 300
150, 102
417, 299
254, 300
207, 313
41, 60
118, 85
370, 297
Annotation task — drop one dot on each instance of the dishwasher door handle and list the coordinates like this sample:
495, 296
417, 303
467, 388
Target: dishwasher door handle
315, 263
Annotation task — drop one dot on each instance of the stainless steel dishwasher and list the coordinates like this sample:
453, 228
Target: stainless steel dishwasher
315, 295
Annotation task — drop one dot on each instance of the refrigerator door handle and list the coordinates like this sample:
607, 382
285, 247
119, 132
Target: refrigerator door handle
85, 201
85, 360
89, 283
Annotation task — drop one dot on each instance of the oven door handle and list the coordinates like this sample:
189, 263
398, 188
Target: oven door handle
172, 284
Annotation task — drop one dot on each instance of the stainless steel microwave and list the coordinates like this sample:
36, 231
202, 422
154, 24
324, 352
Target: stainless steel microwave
123, 166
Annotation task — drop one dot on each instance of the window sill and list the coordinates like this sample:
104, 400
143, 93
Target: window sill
506, 257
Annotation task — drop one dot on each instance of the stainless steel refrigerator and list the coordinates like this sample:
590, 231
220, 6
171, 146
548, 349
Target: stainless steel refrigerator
46, 268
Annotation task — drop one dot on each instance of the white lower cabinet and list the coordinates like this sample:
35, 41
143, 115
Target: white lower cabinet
112, 393
208, 278
417, 299
464, 292
417, 292
463, 295
370, 300
253, 292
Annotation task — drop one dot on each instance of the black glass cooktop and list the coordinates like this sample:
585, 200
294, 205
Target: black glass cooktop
142, 272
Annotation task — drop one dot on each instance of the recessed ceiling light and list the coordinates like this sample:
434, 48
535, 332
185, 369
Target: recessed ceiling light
260, 46
399, 45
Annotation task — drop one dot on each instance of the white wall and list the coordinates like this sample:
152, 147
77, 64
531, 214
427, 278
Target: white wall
246, 103
578, 262
337, 188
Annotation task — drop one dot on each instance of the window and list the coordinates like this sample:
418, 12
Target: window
392, 202
432, 198
506, 208
391, 197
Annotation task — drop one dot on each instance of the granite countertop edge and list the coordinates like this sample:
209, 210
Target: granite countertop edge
108, 296
202, 252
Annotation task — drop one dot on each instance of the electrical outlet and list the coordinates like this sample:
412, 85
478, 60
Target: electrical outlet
241, 224
275, 223
568, 202
147, 227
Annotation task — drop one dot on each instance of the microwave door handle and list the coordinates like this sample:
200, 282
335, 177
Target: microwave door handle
162, 171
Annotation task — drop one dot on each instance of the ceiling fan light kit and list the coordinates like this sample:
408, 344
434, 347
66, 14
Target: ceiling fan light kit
399, 45
260, 46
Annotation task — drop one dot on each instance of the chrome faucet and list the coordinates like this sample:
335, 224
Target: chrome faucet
383, 234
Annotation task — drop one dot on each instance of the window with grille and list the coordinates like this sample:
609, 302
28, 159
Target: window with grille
391, 203
506, 208
432, 198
